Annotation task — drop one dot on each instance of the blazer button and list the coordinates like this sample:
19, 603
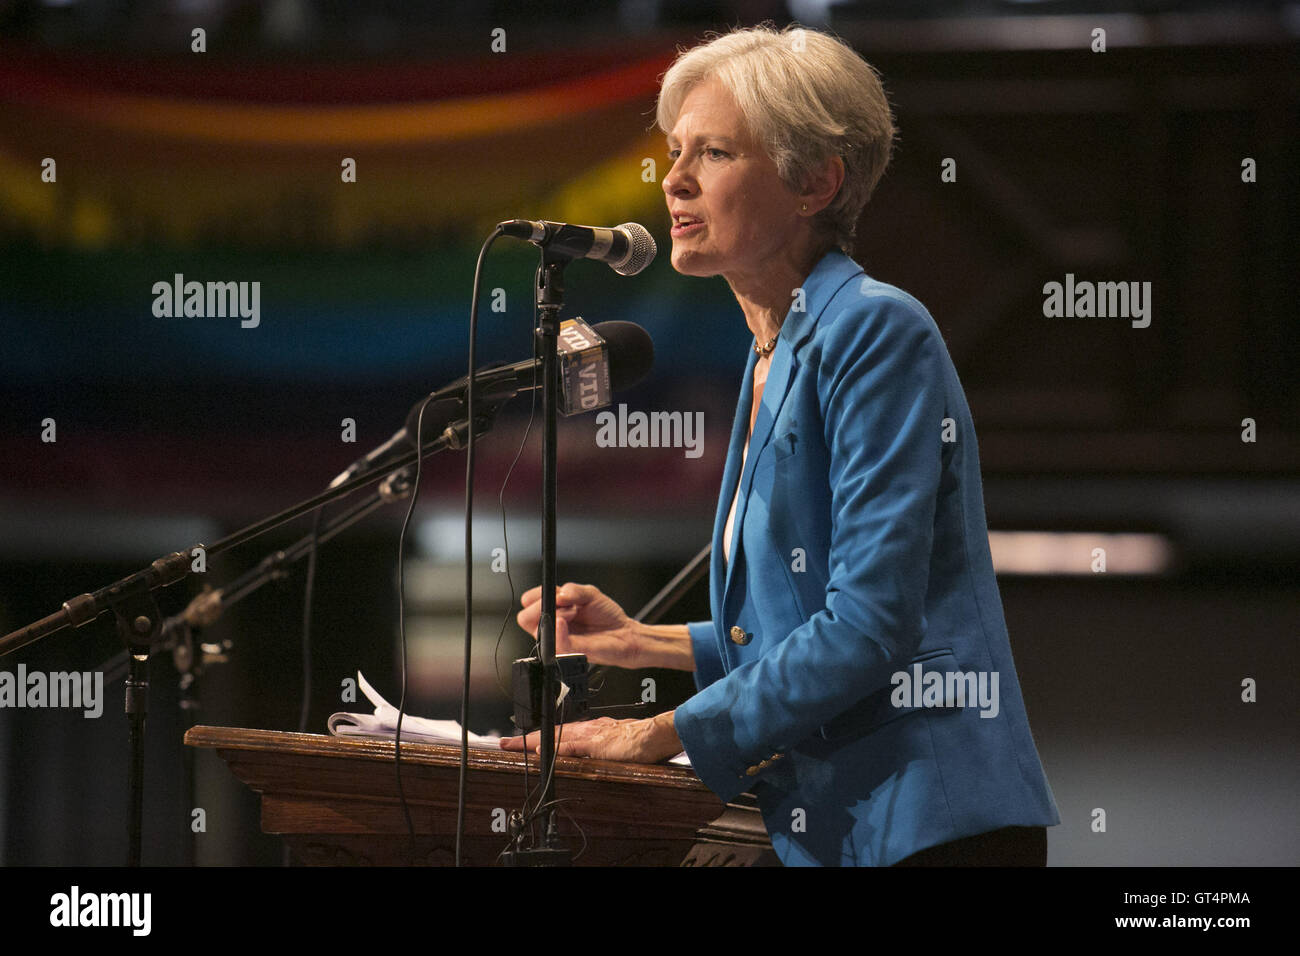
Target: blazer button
739, 636
758, 767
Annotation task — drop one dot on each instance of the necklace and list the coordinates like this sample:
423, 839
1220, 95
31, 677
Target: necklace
762, 350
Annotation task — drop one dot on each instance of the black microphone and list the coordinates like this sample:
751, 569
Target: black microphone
591, 367
627, 249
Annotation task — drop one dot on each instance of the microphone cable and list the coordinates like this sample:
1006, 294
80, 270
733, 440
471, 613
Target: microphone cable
469, 569
309, 588
469, 542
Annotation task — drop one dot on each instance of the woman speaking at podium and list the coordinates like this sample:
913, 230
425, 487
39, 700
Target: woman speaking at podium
856, 674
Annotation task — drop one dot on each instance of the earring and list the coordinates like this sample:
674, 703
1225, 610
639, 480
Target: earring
805, 207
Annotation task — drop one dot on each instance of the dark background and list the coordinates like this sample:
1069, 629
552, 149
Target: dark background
1122, 166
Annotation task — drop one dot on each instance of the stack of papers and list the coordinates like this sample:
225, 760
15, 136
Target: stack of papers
383, 725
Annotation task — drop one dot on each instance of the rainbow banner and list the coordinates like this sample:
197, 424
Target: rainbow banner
178, 152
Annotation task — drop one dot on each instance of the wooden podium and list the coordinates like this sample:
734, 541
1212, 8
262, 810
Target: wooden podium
334, 801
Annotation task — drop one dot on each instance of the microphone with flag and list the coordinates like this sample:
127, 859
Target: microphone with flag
594, 362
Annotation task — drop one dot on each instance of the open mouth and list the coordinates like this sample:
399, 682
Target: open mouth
685, 225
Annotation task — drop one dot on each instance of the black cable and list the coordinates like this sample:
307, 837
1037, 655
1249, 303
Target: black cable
530, 816
470, 390
308, 589
508, 693
401, 619
545, 785
501, 500
581, 832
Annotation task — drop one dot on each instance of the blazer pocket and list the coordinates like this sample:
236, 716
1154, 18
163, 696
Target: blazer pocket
876, 710
783, 446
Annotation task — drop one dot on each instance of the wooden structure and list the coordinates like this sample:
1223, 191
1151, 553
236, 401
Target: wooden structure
334, 800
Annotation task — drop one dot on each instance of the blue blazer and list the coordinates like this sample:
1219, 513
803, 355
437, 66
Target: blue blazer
859, 551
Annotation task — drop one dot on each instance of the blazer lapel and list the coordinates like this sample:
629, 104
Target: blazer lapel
719, 567
827, 277
774, 391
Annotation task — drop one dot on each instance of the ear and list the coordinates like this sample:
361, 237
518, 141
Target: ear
823, 185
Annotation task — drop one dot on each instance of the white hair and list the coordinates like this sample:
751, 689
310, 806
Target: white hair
805, 97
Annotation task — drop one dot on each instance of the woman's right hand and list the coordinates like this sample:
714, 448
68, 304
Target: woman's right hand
596, 625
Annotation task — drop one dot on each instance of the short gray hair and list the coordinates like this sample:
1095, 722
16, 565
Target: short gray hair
805, 96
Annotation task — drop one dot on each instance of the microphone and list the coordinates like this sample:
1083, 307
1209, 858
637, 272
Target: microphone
595, 361
627, 249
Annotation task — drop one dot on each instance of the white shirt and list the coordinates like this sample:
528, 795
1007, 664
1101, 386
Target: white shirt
731, 515
760, 380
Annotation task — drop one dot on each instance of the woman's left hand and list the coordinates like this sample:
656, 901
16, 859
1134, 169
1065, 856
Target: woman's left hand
635, 741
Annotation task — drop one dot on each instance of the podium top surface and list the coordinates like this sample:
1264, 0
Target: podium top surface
275, 743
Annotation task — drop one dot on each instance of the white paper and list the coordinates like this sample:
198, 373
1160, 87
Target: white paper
383, 723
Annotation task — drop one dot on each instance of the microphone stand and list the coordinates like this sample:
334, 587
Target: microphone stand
550, 300
207, 607
139, 622
176, 633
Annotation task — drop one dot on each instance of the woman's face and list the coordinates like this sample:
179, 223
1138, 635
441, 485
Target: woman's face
724, 180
